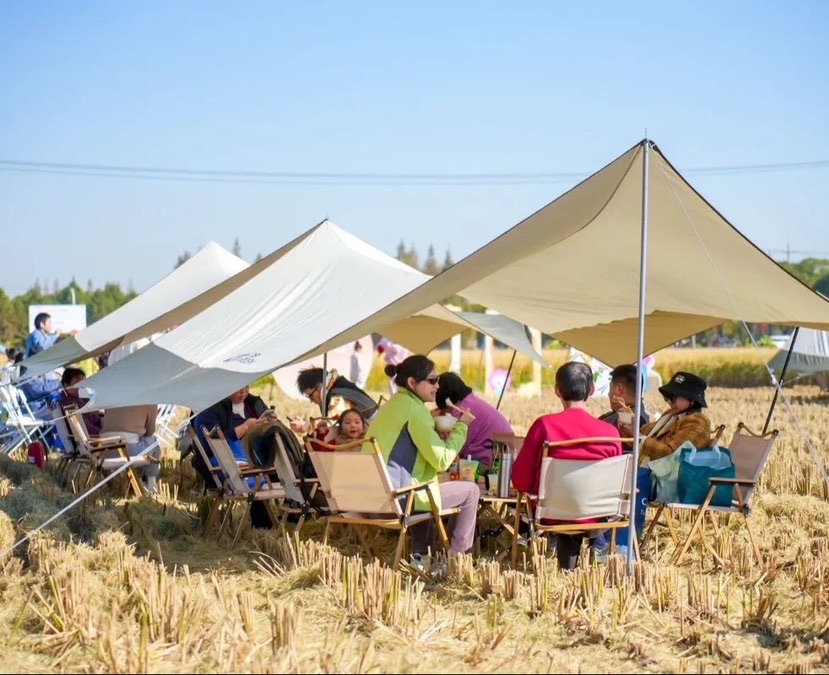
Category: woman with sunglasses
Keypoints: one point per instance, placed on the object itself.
(683, 421)
(415, 453)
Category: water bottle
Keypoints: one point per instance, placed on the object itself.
(504, 475)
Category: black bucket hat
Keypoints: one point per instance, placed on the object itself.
(687, 385)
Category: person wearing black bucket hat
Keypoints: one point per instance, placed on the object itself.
(682, 421)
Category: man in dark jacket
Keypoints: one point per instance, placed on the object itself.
(309, 383)
(622, 394)
(235, 415)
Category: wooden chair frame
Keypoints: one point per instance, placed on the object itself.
(396, 518)
(739, 504)
(235, 486)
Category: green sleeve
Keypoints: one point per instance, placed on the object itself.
(437, 452)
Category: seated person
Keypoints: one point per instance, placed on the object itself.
(622, 395)
(574, 385)
(38, 392)
(452, 389)
(235, 416)
(341, 394)
(683, 421)
(136, 426)
(414, 453)
(350, 427)
(70, 396)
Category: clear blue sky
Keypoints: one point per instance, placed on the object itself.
(428, 87)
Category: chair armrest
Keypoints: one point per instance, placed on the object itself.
(411, 488)
(252, 472)
(732, 481)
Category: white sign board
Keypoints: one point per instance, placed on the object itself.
(65, 318)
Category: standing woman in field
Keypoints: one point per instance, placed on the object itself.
(415, 453)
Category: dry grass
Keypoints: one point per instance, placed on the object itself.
(132, 587)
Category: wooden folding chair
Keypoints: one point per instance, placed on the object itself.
(293, 486)
(240, 484)
(573, 490)
(750, 452)
(92, 451)
(359, 490)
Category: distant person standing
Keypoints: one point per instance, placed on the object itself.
(42, 337)
(356, 372)
(394, 354)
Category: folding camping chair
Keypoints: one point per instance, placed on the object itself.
(572, 490)
(240, 484)
(293, 487)
(750, 453)
(21, 417)
(360, 494)
(91, 452)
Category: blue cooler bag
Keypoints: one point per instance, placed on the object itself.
(696, 467)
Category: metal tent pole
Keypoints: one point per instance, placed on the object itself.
(779, 381)
(506, 379)
(640, 348)
(324, 390)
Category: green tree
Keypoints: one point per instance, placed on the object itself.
(822, 285)
(447, 261)
(183, 258)
(430, 266)
(237, 248)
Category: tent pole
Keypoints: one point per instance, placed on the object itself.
(779, 381)
(640, 348)
(324, 389)
(506, 379)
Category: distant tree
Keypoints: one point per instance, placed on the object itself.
(55, 286)
(237, 248)
(412, 258)
(447, 261)
(183, 258)
(822, 285)
(401, 251)
(430, 266)
(89, 286)
(258, 257)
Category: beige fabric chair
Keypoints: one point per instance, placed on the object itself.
(236, 487)
(572, 490)
(93, 452)
(359, 490)
(750, 452)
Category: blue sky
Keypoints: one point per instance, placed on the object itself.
(380, 87)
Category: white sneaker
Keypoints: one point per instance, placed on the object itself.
(427, 565)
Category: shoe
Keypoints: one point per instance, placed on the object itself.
(600, 553)
(427, 565)
(149, 487)
(622, 552)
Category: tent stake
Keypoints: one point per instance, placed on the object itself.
(506, 379)
(779, 380)
(640, 348)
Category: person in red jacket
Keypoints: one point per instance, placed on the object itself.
(574, 385)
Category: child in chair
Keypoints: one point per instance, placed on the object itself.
(351, 427)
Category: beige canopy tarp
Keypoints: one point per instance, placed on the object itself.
(572, 269)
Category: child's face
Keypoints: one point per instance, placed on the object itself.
(352, 426)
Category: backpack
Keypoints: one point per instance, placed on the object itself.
(261, 445)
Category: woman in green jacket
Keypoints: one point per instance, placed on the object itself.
(414, 452)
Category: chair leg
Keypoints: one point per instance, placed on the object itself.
(672, 527)
(327, 531)
(242, 523)
(362, 536)
(652, 526)
(516, 529)
(211, 516)
(444, 539)
(743, 510)
(697, 523)
(398, 552)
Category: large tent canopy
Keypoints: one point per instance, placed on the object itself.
(319, 287)
(810, 353)
(572, 269)
(177, 297)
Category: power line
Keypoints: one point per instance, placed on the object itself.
(356, 178)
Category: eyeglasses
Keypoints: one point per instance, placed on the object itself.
(310, 394)
(431, 380)
(669, 398)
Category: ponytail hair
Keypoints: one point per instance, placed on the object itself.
(416, 366)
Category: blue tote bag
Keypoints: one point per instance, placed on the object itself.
(696, 467)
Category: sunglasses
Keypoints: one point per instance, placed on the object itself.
(669, 398)
(431, 380)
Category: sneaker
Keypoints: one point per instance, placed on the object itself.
(600, 552)
(622, 552)
(425, 564)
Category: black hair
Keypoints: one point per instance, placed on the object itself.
(357, 346)
(41, 318)
(310, 378)
(416, 366)
(451, 387)
(574, 381)
(70, 374)
(626, 375)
